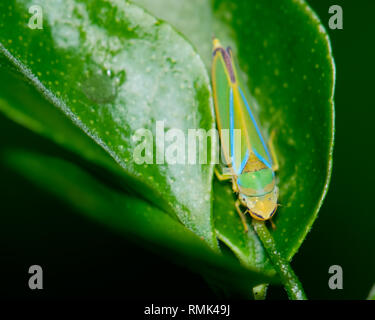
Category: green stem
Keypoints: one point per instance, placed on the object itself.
(289, 279)
(371, 295)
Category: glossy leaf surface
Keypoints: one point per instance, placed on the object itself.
(286, 60)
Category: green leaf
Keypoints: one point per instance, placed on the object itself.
(286, 59)
(97, 72)
(133, 218)
(111, 68)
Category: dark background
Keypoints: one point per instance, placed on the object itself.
(83, 259)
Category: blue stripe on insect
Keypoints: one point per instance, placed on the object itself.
(244, 161)
(262, 159)
(232, 129)
(258, 131)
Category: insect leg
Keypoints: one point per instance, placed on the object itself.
(235, 186)
(221, 176)
(272, 224)
(275, 165)
(242, 216)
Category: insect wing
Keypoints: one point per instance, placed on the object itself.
(254, 135)
(234, 137)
